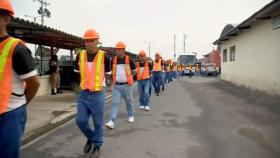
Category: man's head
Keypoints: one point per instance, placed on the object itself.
(120, 49)
(157, 56)
(142, 56)
(91, 38)
(6, 13)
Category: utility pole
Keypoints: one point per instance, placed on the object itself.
(184, 39)
(149, 45)
(174, 47)
(43, 11)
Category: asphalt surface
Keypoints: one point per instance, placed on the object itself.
(193, 118)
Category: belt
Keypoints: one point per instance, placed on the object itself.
(145, 79)
(121, 83)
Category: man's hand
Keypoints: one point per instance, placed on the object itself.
(32, 86)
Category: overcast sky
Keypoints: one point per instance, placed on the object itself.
(138, 21)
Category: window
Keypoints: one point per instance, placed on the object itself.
(225, 55)
(232, 53)
(275, 22)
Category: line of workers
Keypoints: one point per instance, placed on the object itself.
(19, 84)
(96, 69)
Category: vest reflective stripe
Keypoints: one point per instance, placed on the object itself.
(157, 65)
(6, 68)
(175, 68)
(145, 74)
(168, 68)
(92, 79)
(128, 72)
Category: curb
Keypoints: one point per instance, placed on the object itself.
(53, 124)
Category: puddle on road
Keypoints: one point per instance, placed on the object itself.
(174, 123)
(258, 137)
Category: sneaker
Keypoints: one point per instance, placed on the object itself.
(147, 108)
(157, 94)
(87, 146)
(110, 124)
(131, 119)
(95, 152)
(142, 107)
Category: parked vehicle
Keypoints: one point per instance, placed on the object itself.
(211, 69)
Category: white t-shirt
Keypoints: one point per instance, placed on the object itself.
(121, 74)
(18, 88)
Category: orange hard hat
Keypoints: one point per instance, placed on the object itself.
(142, 53)
(7, 5)
(91, 34)
(121, 45)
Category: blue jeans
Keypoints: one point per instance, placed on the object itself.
(143, 90)
(157, 80)
(162, 79)
(168, 77)
(12, 125)
(118, 92)
(91, 104)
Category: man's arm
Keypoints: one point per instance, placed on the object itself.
(32, 86)
(108, 68)
(76, 66)
(23, 65)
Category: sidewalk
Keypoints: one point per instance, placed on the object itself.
(47, 112)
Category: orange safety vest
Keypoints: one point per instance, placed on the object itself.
(157, 65)
(168, 68)
(6, 68)
(129, 75)
(175, 68)
(92, 79)
(145, 74)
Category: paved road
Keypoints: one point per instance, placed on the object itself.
(193, 118)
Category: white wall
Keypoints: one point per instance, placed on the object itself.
(45, 87)
(257, 58)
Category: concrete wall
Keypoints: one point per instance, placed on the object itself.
(45, 87)
(257, 58)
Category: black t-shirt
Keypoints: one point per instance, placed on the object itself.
(22, 59)
(90, 58)
(143, 64)
(122, 61)
(53, 64)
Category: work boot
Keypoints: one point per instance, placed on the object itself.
(87, 146)
(59, 91)
(95, 152)
(53, 92)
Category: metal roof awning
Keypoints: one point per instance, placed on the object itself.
(42, 35)
(38, 34)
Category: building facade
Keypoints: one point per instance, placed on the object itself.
(250, 52)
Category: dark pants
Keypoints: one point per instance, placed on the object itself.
(157, 79)
(12, 126)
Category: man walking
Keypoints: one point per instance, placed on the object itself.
(143, 68)
(157, 73)
(122, 75)
(18, 85)
(92, 64)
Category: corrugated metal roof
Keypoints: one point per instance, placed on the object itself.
(43, 35)
(263, 13)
